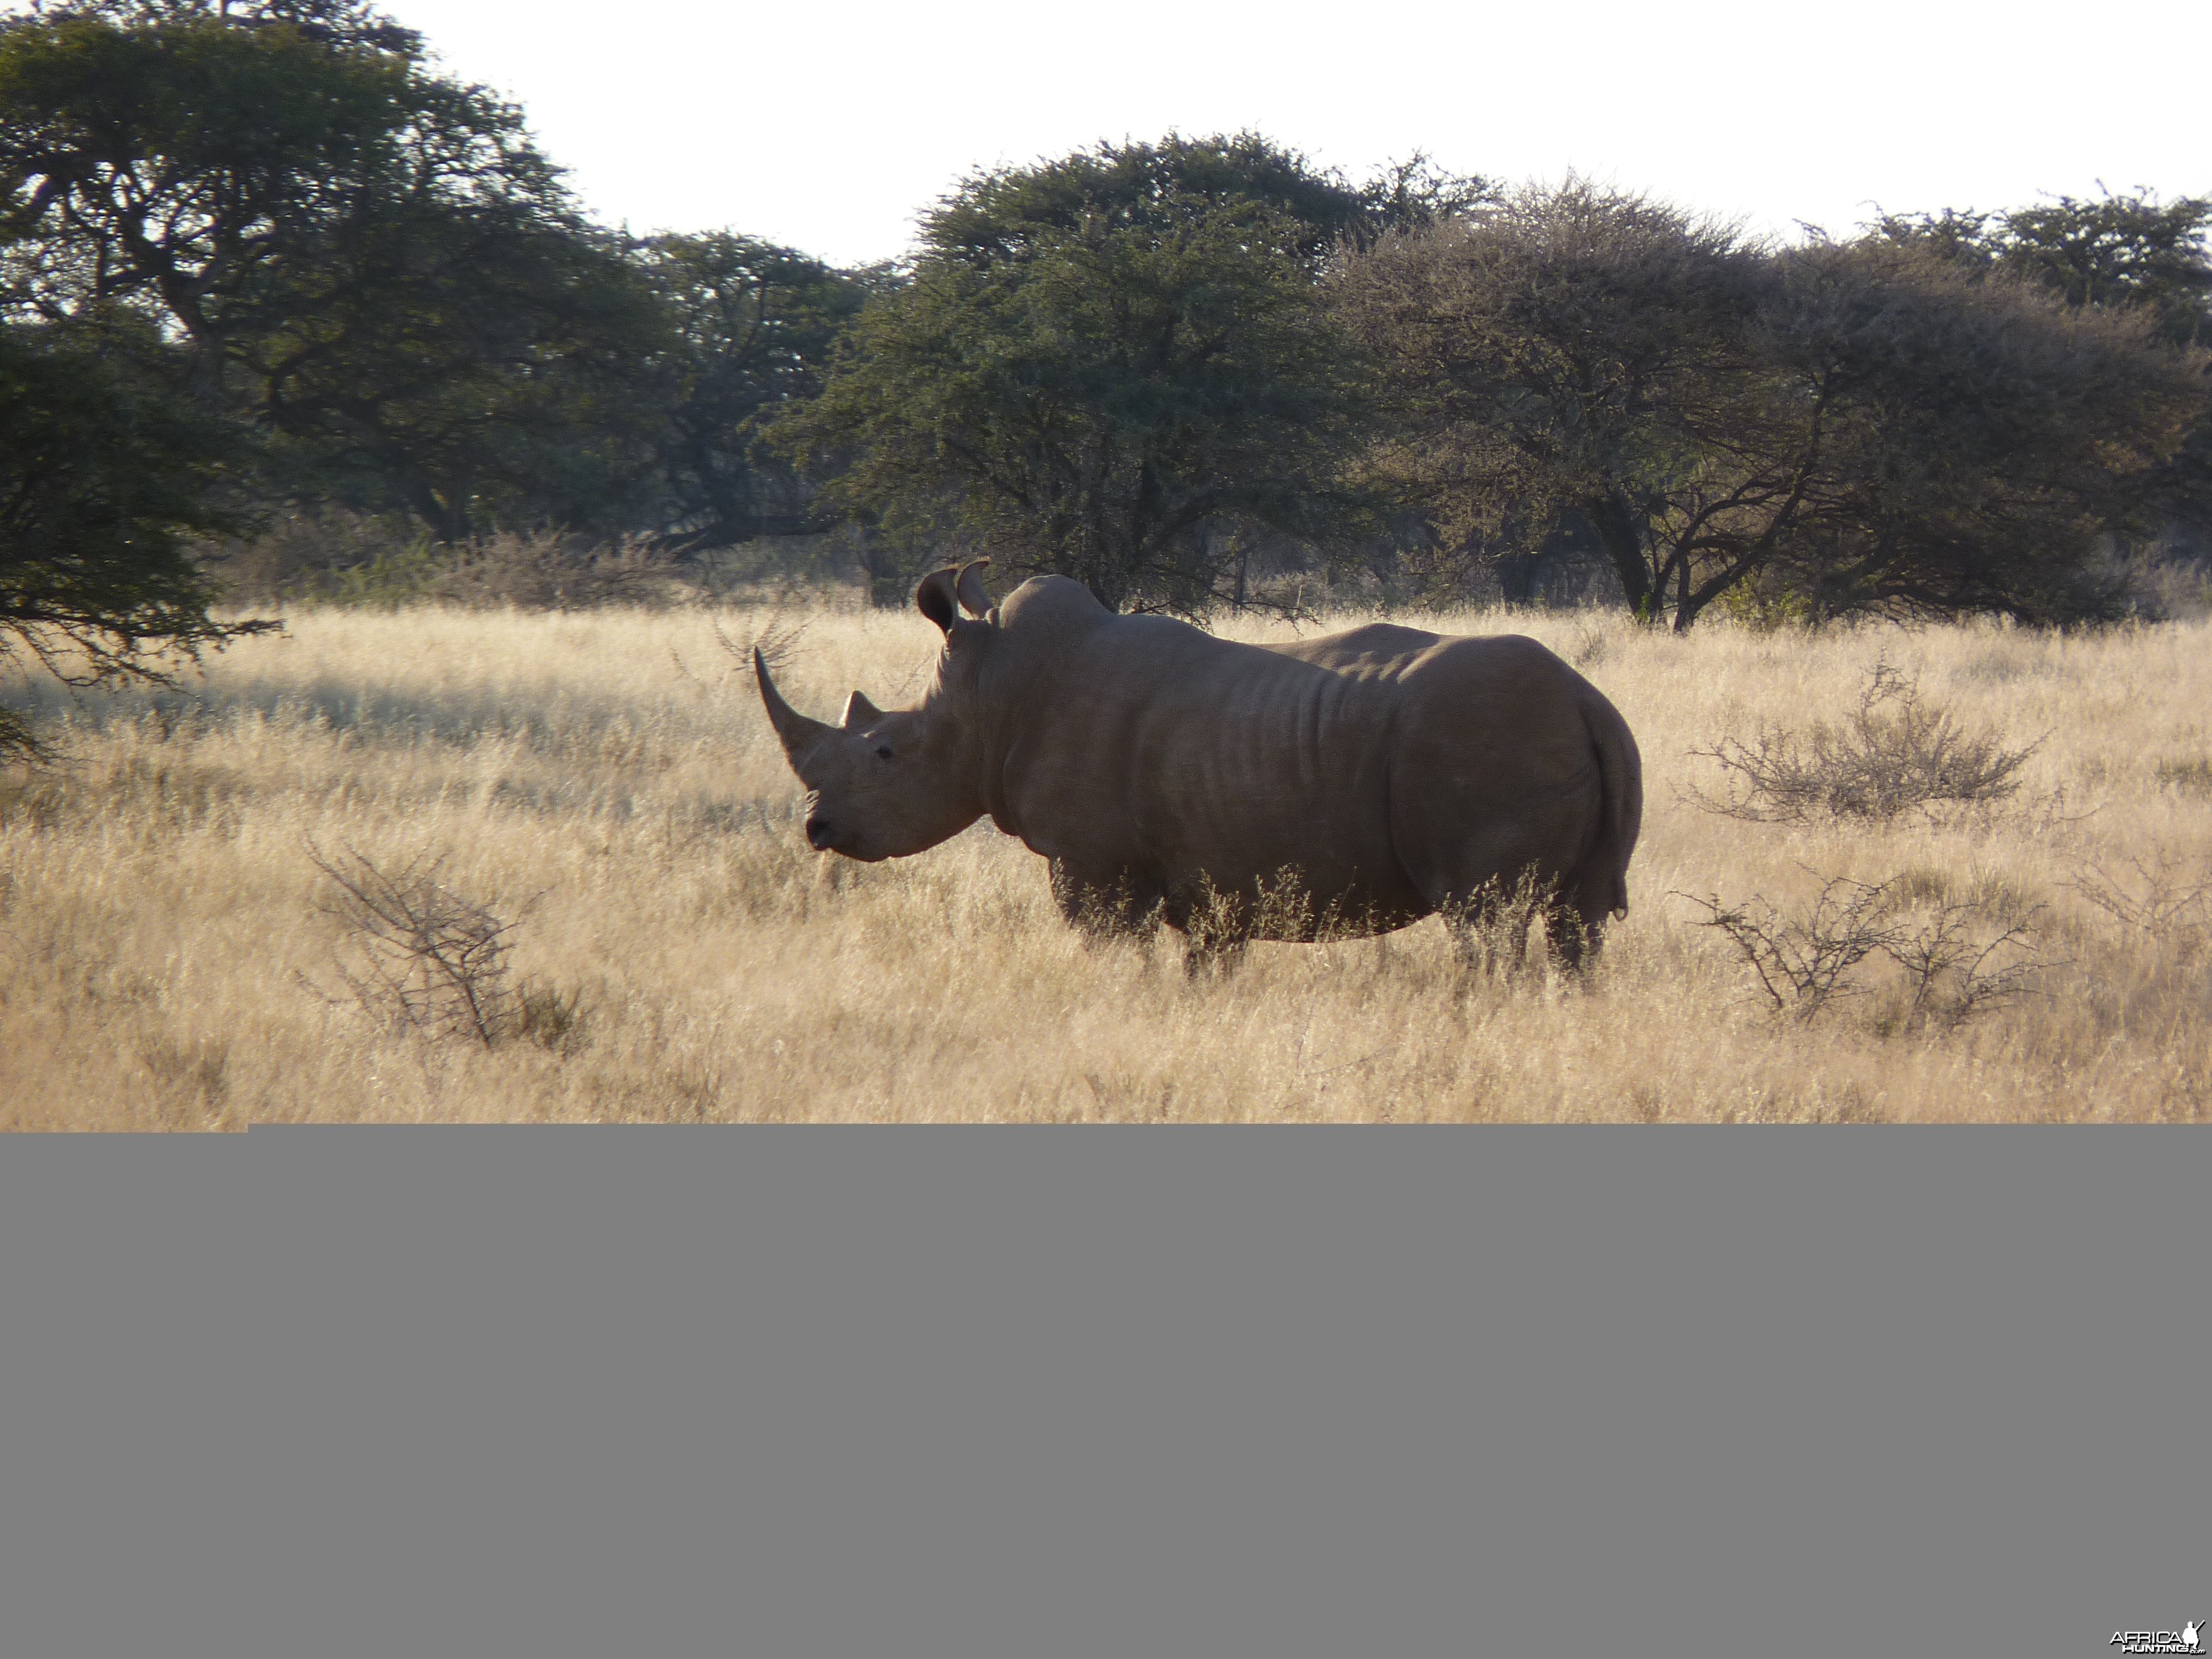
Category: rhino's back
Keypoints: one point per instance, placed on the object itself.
(1376, 650)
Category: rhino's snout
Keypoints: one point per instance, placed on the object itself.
(819, 836)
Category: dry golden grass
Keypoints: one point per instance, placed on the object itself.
(162, 927)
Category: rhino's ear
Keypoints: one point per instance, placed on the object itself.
(858, 711)
(934, 598)
(973, 600)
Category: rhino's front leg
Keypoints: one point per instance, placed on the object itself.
(1106, 904)
(1216, 926)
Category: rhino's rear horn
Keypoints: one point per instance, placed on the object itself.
(792, 729)
(858, 711)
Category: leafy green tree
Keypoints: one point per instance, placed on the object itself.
(1098, 370)
(369, 262)
(2129, 252)
(1983, 444)
(995, 215)
(339, 22)
(163, 165)
(105, 476)
(1845, 429)
(478, 364)
(755, 327)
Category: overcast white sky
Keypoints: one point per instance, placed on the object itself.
(828, 127)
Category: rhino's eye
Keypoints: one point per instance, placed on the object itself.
(882, 751)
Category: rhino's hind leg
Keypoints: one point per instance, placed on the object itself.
(1574, 938)
(1574, 919)
(1492, 925)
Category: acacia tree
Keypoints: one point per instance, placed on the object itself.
(1570, 354)
(755, 327)
(158, 163)
(994, 216)
(475, 362)
(2130, 252)
(1109, 367)
(1849, 427)
(1984, 443)
(104, 474)
(365, 259)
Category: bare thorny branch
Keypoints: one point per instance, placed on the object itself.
(2165, 899)
(424, 958)
(1959, 957)
(1801, 962)
(1963, 960)
(775, 642)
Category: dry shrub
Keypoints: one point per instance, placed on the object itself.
(1896, 753)
(2189, 777)
(551, 571)
(421, 959)
(1957, 957)
(306, 554)
(349, 558)
(775, 639)
(553, 1020)
(1964, 959)
(1801, 962)
(2172, 585)
(2165, 898)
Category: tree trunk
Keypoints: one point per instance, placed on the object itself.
(1616, 532)
(447, 519)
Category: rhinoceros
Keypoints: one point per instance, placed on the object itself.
(1382, 774)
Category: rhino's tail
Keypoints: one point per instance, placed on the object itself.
(1620, 810)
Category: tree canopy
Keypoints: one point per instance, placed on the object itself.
(370, 263)
(106, 474)
(1852, 427)
(1096, 370)
(2124, 253)
(756, 326)
(996, 215)
(2127, 251)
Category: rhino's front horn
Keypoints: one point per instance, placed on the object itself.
(793, 729)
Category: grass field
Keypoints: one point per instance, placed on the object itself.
(606, 782)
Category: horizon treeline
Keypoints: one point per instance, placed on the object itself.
(260, 262)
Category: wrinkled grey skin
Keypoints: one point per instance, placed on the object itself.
(1170, 775)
